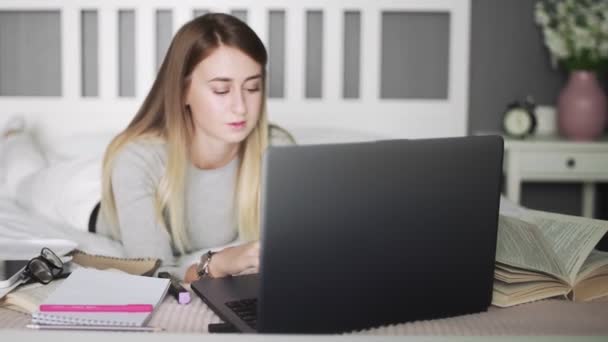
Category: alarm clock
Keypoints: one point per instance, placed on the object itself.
(519, 120)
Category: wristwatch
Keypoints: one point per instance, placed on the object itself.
(202, 269)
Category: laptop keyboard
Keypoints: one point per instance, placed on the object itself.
(246, 309)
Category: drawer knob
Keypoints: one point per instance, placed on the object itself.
(571, 162)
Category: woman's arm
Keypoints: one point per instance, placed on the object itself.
(135, 176)
(244, 258)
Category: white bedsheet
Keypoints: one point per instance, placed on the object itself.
(52, 204)
(23, 233)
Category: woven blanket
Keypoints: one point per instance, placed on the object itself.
(548, 317)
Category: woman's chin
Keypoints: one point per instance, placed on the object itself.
(236, 136)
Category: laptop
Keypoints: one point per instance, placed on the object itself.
(360, 235)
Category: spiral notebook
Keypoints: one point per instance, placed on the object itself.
(87, 286)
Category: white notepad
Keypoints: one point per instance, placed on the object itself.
(87, 286)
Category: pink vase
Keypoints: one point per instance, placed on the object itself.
(582, 107)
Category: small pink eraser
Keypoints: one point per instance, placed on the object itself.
(184, 298)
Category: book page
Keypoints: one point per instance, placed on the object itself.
(505, 295)
(513, 275)
(596, 260)
(592, 281)
(522, 245)
(572, 238)
(28, 297)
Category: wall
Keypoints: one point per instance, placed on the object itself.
(508, 62)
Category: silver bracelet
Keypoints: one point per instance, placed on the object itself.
(202, 269)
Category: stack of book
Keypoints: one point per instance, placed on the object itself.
(114, 295)
(542, 255)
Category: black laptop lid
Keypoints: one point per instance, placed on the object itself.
(361, 235)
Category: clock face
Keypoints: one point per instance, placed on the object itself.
(518, 122)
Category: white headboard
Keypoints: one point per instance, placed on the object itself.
(57, 117)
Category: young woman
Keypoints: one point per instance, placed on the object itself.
(184, 177)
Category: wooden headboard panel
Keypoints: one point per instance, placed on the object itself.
(56, 117)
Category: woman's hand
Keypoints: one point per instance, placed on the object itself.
(230, 261)
(235, 260)
(190, 275)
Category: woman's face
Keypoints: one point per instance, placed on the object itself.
(225, 96)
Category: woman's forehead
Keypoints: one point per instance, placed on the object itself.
(227, 63)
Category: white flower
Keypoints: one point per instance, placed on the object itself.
(604, 28)
(592, 20)
(542, 18)
(563, 30)
(582, 39)
(556, 44)
(561, 10)
(603, 49)
(575, 31)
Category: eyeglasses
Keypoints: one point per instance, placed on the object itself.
(44, 268)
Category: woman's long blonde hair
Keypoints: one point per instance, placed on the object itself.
(163, 116)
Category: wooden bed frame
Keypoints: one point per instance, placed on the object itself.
(55, 118)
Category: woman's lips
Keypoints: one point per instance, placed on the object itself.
(237, 125)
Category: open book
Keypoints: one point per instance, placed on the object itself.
(541, 255)
(27, 298)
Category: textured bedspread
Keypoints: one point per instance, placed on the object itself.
(549, 317)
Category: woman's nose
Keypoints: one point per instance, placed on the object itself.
(238, 103)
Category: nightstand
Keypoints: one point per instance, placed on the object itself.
(553, 159)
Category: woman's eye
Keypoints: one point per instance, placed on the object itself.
(220, 92)
(253, 90)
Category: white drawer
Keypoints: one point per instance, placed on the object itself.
(564, 162)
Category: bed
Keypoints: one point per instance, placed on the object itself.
(325, 85)
(344, 102)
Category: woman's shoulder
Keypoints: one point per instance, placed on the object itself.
(279, 136)
(143, 152)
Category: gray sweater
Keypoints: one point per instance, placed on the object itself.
(209, 205)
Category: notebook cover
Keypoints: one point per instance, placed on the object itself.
(136, 266)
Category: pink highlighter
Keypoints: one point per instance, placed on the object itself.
(96, 308)
(175, 288)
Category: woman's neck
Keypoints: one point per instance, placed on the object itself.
(211, 154)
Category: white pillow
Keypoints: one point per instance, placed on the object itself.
(306, 135)
(79, 146)
(65, 191)
(23, 232)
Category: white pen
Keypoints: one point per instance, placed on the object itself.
(92, 327)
